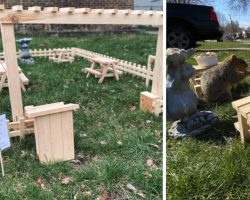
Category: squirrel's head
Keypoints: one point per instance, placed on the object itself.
(239, 65)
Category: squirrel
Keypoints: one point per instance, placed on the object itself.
(216, 82)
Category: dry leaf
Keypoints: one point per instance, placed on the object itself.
(147, 174)
(40, 183)
(148, 122)
(119, 142)
(105, 196)
(150, 162)
(132, 108)
(158, 133)
(75, 196)
(87, 193)
(66, 180)
(103, 143)
(154, 145)
(141, 195)
(131, 187)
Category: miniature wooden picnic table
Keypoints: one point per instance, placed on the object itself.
(106, 64)
(3, 77)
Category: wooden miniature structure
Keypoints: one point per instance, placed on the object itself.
(53, 127)
(53, 15)
(61, 55)
(151, 103)
(107, 65)
(242, 106)
(4, 81)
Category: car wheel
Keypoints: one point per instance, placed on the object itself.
(180, 38)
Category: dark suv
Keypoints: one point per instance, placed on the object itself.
(187, 23)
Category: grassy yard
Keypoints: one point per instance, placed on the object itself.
(113, 138)
(215, 165)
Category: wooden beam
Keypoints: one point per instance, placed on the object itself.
(157, 86)
(2, 7)
(9, 46)
(17, 8)
(97, 16)
(35, 9)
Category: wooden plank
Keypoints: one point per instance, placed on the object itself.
(98, 16)
(68, 10)
(2, 7)
(83, 10)
(241, 102)
(35, 9)
(51, 9)
(43, 135)
(68, 135)
(51, 110)
(17, 8)
(56, 139)
(157, 85)
(9, 46)
(93, 71)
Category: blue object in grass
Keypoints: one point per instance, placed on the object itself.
(25, 54)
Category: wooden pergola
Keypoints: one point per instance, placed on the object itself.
(54, 15)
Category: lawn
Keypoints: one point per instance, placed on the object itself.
(215, 165)
(113, 138)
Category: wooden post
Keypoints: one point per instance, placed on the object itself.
(9, 46)
(157, 85)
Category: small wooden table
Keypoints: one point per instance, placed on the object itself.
(106, 65)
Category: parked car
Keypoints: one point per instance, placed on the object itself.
(188, 23)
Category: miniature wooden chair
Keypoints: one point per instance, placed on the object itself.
(242, 106)
(106, 66)
(53, 127)
(3, 77)
(61, 55)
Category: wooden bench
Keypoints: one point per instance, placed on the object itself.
(107, 65)
(242, 106)
(3, 77)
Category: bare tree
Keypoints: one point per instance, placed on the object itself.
(239, 4)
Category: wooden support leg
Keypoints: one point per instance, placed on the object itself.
(2, 81)
(92, 67)
(9, 46)
(22, 127)
(157, 85)
(104, 72)
(244, 135)
(115, 72)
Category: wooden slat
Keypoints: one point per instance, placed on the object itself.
(241, 102)
(157, 85)
(93, 71)
(45, 17)
(51, 110)
(2, 7)
(67, 135)
(35, 9)
(83, 10)
(17, 8)
(51, 9)
(43, 135)
(68, 10)
(56, 139)
(9, 46)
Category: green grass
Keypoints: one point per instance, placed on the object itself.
(106, 114)
(215, 165)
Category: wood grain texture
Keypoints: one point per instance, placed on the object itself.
(9, 46)
(81, 16)
(157, 85)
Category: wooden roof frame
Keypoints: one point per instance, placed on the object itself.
(55, 15)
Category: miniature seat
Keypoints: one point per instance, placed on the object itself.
(242, 106)
(3, 77)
